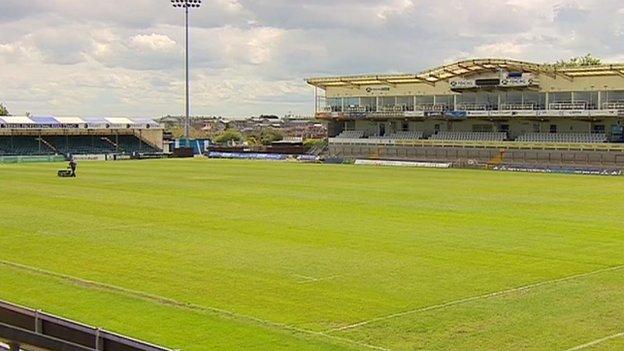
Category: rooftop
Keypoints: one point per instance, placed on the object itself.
(468, 67)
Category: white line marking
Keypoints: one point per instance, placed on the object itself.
(596, 342)
(308, 279)
(474, 298)
(189, 306)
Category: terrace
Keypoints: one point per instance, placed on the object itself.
(480, 101)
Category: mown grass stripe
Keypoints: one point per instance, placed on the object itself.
(90, 284)
(478, 297)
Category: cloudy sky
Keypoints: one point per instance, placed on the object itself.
(125, 58)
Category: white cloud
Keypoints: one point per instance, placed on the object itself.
(154, 42)
(250, 56)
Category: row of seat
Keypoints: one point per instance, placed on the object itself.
(49, 145)
(23, 146)
(403, 135)
(355, 137)
(473, 136)
(564, 137)
(351, 134)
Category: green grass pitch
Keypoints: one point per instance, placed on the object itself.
(230, 255)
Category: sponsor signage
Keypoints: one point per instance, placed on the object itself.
(563, 113)
(463, 84)
(506, 80)
(604, 113)
(433, 113)
(120, 157)
(248, 156)
(456, 114)
(459, 114)
(377, 89)
(402, 164)
(382, 114)
(89, 157)
(526, 80)
(502, 113)
(582, 171)
(478, 113)
(414, 114)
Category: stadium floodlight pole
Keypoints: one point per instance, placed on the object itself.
(186, 4)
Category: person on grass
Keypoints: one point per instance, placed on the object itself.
(73, 165)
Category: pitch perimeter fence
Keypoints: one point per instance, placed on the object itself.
(25, 328)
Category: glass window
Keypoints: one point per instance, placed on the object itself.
(589, 99)
(613, 96)
(370, 103)
(535, 99)
(467, 98)
(424, 103)
(352, 101)
(487, 100)
(407, 102)
(444, 100)
(426, 99)
(511, 97)
(613, 99)
(387, 101)
(560, 97)
(335, 104)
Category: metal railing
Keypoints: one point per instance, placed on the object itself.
(470, 106)
(613, 105)
(36, 329)
(431, 107)
(518, 106)
(568, 105)
(483, 144)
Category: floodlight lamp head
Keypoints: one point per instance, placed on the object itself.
(186, 3)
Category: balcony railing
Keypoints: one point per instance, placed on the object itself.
(468, 106)
(518, 106)
(431, 107)
(613, 105)
(568, 105)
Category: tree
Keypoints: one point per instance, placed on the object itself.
(270, 135)
(3, 110)
(581, 61)
(252, 140)
(230, 135)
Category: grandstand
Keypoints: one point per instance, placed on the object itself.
(29, 136)
(488, 104)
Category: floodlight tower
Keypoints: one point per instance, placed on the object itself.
(186, 4)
